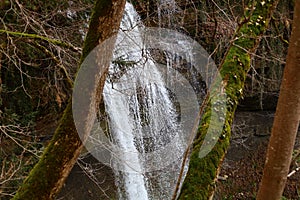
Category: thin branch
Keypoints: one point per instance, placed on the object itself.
(34, 36)
(293, 172)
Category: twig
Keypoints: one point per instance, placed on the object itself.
(35, 36)
(293, 172)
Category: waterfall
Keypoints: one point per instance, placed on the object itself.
(143, 118)
(157, 79)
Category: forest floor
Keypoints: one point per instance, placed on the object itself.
(243, 165)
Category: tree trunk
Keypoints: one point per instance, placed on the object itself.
(286, 121)
(201, 176)
(49, 174)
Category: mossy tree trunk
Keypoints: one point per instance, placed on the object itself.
(202, 173)
(286, 121)
(49, 174)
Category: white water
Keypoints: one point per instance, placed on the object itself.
(142, 117)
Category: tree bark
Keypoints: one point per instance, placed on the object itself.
(49, 174)
(201, 176)
(286, 121)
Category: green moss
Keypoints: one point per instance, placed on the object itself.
(47, 177)
(58, 153)
(35, 36)
(200, 180)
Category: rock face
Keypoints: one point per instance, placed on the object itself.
(212, 25)
(248, 124)
(89, 179)
(259, 101)
(249, 130)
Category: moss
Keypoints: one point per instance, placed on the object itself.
(47, 177)
(200, 179)
(34, 36)
(57, 155)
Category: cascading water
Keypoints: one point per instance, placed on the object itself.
(143, 118)
(156, 82)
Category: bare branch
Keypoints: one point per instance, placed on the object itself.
(34, 36)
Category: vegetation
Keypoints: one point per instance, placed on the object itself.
(49, 174)
(41, 49)
(200, 179)
(286, 122)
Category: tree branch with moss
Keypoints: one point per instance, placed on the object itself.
(39, 37)
(202, 173)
